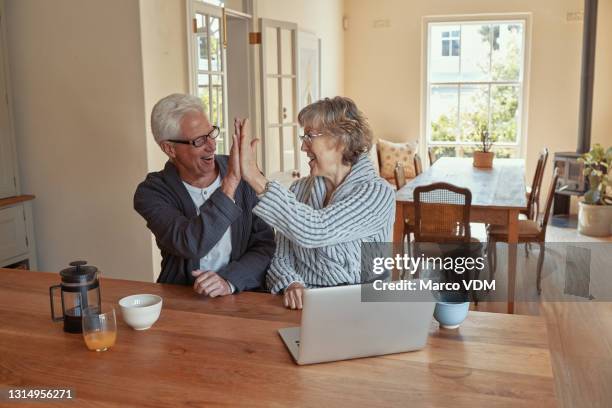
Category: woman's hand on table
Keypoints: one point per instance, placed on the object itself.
(292, 297)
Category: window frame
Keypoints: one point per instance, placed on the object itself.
(522, 134)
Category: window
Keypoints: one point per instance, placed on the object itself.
(450, 43)
(474, 85)
(208, 66)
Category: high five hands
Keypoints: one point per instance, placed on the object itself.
(243, 151)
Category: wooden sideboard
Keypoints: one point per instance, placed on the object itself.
(17, 244)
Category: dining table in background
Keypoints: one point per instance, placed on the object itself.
(498, 196)
(226, 351)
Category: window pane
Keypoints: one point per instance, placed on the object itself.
(221, 143)
(444, 151)
(466, 151)
(474, 111)
(504, 112)
(215, 44)
(456, 48)
(505, 152)
(272, 50)
(200, 23)
(445, 48)
(442, 67)
(203, 52)
(216, 115)
(286, 52)
(507, 51)
(273, 148)
(475, 55)
(272, 99)
(203, 92)
(288, 148)
(287, 108)
(443, 113)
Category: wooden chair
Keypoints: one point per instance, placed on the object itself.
(432, 155)
(442, 215)
(533, 192)
(400, 175)
(530, 231)
(400, 181)
(418, 164)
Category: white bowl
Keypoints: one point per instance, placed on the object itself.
(140, 311)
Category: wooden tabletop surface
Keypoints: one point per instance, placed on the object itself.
(226, 351)
(502, 186)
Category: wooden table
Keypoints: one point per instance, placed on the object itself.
(226, 351)
(498, 196)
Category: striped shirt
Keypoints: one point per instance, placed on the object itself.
(319, 245)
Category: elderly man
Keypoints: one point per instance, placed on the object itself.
(198, 208)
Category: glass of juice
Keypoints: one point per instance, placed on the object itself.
(99, 328)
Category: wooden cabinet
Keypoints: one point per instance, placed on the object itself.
(16, 229)
(13, 237)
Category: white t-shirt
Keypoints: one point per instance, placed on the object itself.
(219, 255)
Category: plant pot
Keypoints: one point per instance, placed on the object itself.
(594, 220)
(483, 160)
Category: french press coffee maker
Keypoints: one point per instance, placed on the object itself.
(80, 288)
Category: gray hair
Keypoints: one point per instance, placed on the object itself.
(339, 117)
(168, 112)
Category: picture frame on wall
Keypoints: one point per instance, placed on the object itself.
(309, 68)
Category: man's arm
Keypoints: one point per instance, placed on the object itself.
(179, 235)
(249, 271)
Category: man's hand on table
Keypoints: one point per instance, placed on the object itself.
(210, 284)
(293, 296)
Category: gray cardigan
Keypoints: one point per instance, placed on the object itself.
(184, 237)
(320, 245)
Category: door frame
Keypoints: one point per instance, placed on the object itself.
(263, 23)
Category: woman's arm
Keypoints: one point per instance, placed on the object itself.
(282, 271)
(354, 217)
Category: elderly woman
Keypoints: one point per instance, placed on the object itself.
(322, 219)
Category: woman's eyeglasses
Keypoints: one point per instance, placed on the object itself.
(308, 136)
(200, 140)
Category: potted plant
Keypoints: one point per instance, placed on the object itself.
(595, 211)
(483, 158)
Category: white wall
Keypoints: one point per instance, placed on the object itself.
(383, 67)
(77, 82)
(165, 71)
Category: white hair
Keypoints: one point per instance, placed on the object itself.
(168, 112)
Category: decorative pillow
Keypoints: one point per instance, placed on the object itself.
(390, 153)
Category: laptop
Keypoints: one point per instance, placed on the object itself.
(337, 325)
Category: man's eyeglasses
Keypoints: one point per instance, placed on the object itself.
(308, 136)
(200, 140)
